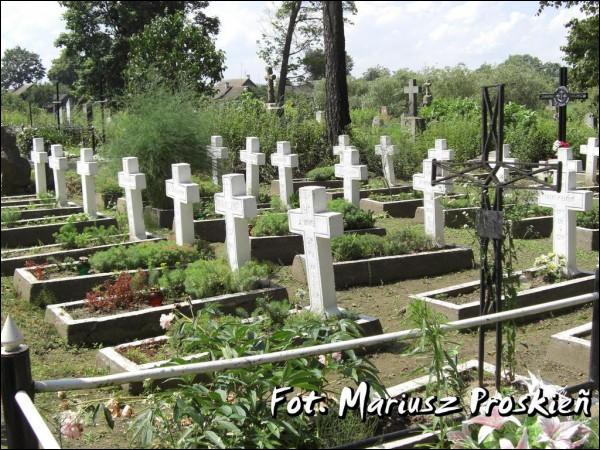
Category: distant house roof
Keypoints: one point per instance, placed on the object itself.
(22, 89)
(232, 88)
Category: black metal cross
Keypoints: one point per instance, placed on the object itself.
(483, 174)
(560, 97)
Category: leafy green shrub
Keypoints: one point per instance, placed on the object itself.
(588, 219)
(161, 128)
(321, 173)
(206, 185)
(354, 217)
(407, 240)
(70, 237)
(50, 134)
(208, 278)
(271, 224)
(520, 211)
(147, 255)
(10, 216)
(251, 275)
(277, 204)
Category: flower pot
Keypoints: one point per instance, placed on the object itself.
(155, 298)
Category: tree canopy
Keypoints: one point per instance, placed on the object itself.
(20, 66)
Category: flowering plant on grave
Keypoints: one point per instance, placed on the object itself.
(550, 267)
(509, 432)
(559, 144)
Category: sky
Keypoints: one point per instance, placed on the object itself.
(396, 35)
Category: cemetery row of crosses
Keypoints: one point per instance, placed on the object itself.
(251, 277)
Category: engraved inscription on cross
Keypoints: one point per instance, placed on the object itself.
(565, 205)
(386, 150)
(285, 160)
(133, 182)
(237, 209)
(253, 159)
(87, 168)
(184, 194)
(217, 154)
(317, 226)
(591, 160)
(412, 90)
(39, 158)
(352, 173)
(59, 164)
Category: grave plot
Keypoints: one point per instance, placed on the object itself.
(27, 233)
(539, 285)
(38, 210)
(131, 306)
(319, 176)
(587, 229)
(402, 204)
(572, 347)
(271, 239)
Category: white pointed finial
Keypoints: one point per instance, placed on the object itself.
(11, 338)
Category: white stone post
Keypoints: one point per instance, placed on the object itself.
(386, 150)
(565, 205)
(591, 160)
(87, 168)
(317, 226)
(39, 158)
(59, 164)
(352, 173)
(217, 153)
(237, 209)
(285, 160)
(133, 182)
(184, 194)
(253, 159)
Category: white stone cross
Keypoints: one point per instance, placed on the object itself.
(591, 160)
(184, 194)
(59, 164)
(503, 173)
(253, 159)
(565, 205)
(352, 173)
(432, 206)
(217, 154)
(87, 168)
(237, 209)
(285, 160)
(39, 158)
(343, 144)
(386, 150)
(133, 182)
(317, 226)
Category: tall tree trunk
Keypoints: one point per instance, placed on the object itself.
(337, 110)
(294, 9)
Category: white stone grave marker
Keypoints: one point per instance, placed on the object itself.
(87, 168)
(184, 194)
(317, 226)
(386, 150)
(352, 173)
(59, 164)
(503, 173)
(343, 144)
(237, 209)
(217, 153)
(39, 158)
(565, 205)
(133, 182)
(285, 160)
(253, 159)
(591, 160)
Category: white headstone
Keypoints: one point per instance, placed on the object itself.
(133, 182)
(253, 159)
(503, 173)
(317, 226)
(352, 173)
(285, 160)
(386, 150)
(59, 164)
(591, 160)
(87, 168)
(39, 158)
(565, 205)
(237, 209)
(319, 116)
(68, 110)
(217, 153)
(343, 144)
(184, 194)
(432, 206)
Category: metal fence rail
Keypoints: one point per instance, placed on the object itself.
(43, 434)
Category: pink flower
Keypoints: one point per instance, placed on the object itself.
(165, 320)
(490, 423)
(559, 434)
(336, 356)
(460, 438)
(523, 442)
(70, 425)
(559, 144)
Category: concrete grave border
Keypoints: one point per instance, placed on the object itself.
(570, 348)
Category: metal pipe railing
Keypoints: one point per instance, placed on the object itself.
(66, 384)
(43, 434)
